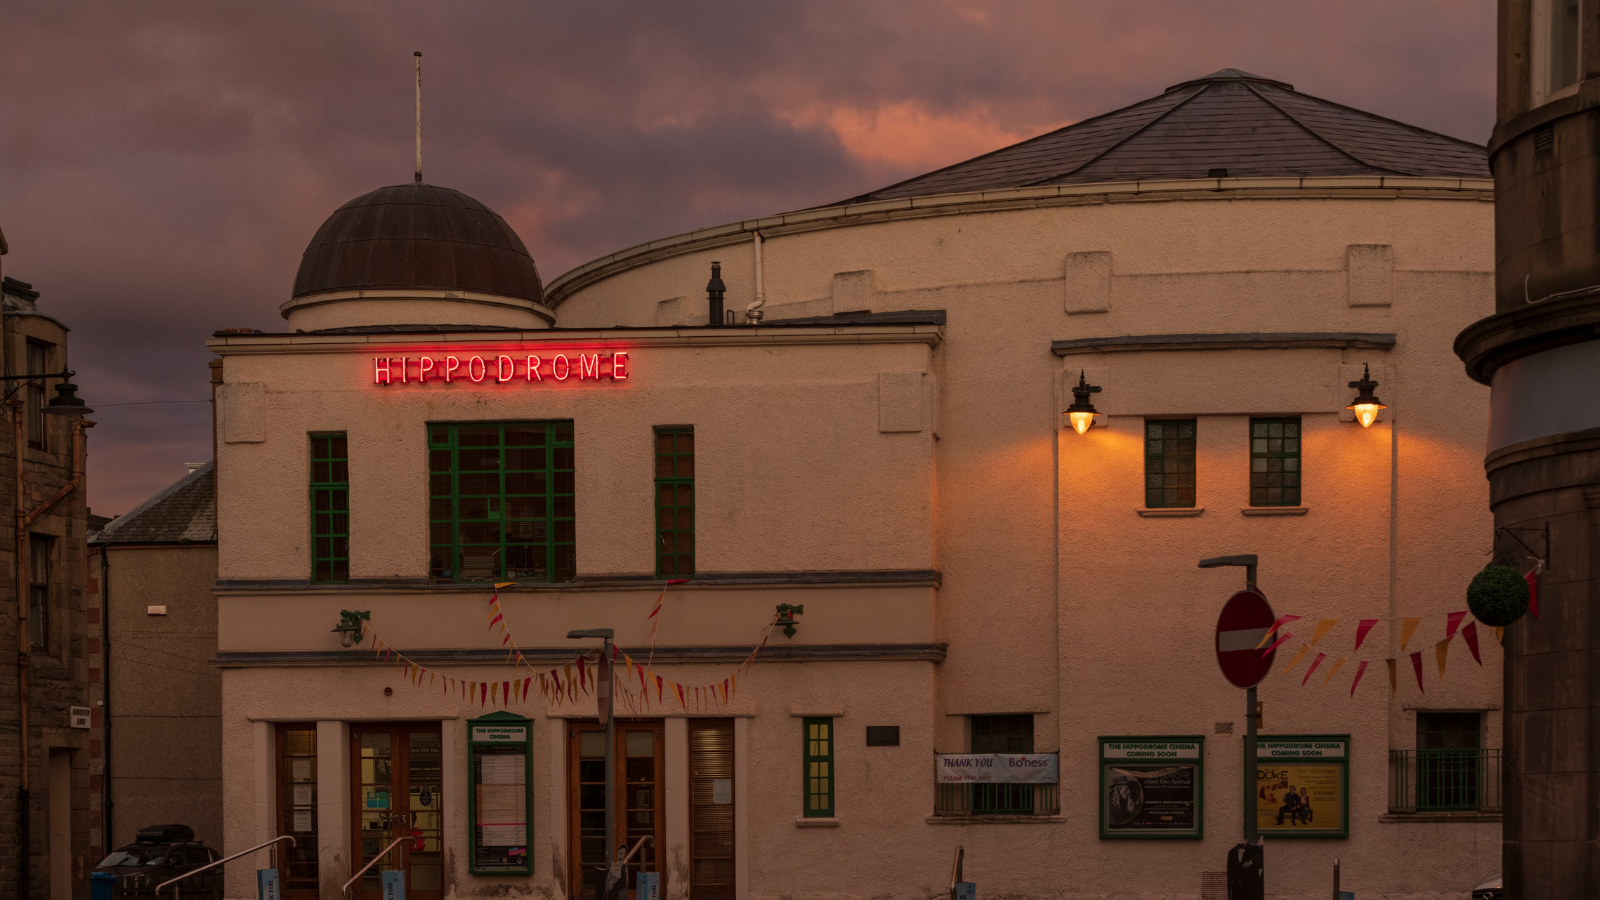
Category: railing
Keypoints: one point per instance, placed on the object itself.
(374, 861)
(1444, 781)
(219, 863)
(997, 799)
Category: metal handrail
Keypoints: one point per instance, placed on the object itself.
(614, 872)
(212, 865)
(374, 860)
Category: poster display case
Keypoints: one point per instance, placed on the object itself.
(1152, 787)
(1303, 786)
(500, 794)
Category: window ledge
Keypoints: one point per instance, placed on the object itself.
(1416, 817)
(816, 822)
(1274, 510)
(1178, 513)
(996, 820)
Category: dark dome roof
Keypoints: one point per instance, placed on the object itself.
(1233, 121)
(417, 237)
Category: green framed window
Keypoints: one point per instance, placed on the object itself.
(819, 767)
(675, 501)
(1449, 766)
(1169, 463)
(330, 508)
(501, 502)
(1002, 734)
(1275, 462)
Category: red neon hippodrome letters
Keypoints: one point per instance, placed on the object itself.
(501, 368)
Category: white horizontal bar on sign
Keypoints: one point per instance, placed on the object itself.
(1248, 639)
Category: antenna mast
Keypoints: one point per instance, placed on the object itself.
(419, 116)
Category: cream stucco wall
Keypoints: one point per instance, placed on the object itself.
(1053, 595)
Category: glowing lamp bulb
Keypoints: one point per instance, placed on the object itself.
(1366, 413)
(1081, 421)
(1081, 413)
(1366, 404)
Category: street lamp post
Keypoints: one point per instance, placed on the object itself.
(604, 682)
(1248, 560)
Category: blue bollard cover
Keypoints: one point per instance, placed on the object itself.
(648, 886)
(394, 886)
(267, 885)
(966, 890)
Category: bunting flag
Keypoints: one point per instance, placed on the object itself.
(1286, 636)
(1323, 627)
(1394, 680)
(1282, 621)
(1452, 621)
(1407, 626)
(681, 702)
(1337, 664)
(583, 680)
(1470, 635)
(1441, 651)
(1360, 671)
(1416, 664)
(1314, 663)
(1500, 635)
(1533, 588)
(1299, 655)
(1362, 627)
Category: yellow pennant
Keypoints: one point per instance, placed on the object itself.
(1335, 668)
(1407, 626)
(501, 584)
(1299, 655)
(1323, 627)
(494, 691)
(1441, 650)
(1394, 682)
(1499, 634)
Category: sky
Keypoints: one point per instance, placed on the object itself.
(163, 164)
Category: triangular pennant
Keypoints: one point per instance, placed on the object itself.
(505, 692)
(1500, 634)
(1533, 590)
(1394, 680)
(681, 700)
(1452, 621)
(501, 584)
(1362, 627)
(660, 682)
(1314, 663)
(1337, 664)
(1284, 637)
(1282, 621)
(1470, 635)
(494, 691)
(733, 684)
(1407, 626)
(1299, 655)
(1441, 651)
(583, 675)
(1323, 627)
(1360, 671)
(1416, 665)
(726, 687)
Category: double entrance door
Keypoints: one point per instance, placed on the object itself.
(395, 778)
(638, 758)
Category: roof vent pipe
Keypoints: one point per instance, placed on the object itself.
(714, 291)
(752, 313)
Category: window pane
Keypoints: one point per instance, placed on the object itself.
(330, 502)
(1169, 463)
(674, 492)
(491, 526)
(1275, 462)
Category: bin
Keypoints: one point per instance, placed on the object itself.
(102, 885)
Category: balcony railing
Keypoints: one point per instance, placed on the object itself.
(1444, 781)
(999, 799)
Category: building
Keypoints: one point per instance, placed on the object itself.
(156, 568)
(882, 459)
(1540, 354)
(50, 662)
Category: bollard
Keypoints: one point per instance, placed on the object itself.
(648, 886)
(394, 885)
(267, 885)
(966, 890)
(1247, 872)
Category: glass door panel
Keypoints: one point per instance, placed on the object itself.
(398, 793)
(638, 760)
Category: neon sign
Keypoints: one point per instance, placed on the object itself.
(501, 368)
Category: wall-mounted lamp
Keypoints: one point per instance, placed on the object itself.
(1366, 404)
(786, 614)
(350, 627)
(1081, 413)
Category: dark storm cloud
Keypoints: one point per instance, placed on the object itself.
(162, 164)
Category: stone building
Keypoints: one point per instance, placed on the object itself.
(53, 660)
(156, 567)
(442, 466)
(1540, 353)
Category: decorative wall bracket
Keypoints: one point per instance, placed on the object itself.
(1542, 556)
(786, 614)
(350, 627)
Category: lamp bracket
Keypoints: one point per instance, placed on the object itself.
(1510, 531)
(786, 613)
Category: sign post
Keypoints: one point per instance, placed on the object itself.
(1244, 621)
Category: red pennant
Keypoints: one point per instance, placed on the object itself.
(1416, 663)
(1362, 627)
(682, 701)
(1470, 635)
(1452, 621)
(1286, 635)
(659, 685)
(483, 693)
(497, 617)
(725, 690)
(505, 693)
(1360, 671)
(1314, 663)
(1533, 591)
(582, 677)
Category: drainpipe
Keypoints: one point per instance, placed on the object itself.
(752, 313)
(24, 644)
(105, 693)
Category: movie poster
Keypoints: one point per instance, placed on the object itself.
(1300, 787)
(1151, 787)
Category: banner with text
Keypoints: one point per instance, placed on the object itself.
(998, 768)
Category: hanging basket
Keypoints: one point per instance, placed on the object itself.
(1497, 596)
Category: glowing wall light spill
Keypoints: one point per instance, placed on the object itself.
(1081, 413)
(1366, 404)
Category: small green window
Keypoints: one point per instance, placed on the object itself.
(1275, 462)
(501, 502)
(675, 501)
(330, 509)
(1169, 463)
(819, 768)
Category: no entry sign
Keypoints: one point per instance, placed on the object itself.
(1244, 622)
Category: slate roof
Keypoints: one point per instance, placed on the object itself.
(184, 513)
(1249, 125)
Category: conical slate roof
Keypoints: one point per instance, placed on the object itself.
(1245, 124)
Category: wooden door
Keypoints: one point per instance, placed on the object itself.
(711, 839)
(640, 810)
(397, 792)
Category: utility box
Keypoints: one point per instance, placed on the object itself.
(1246, 872)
